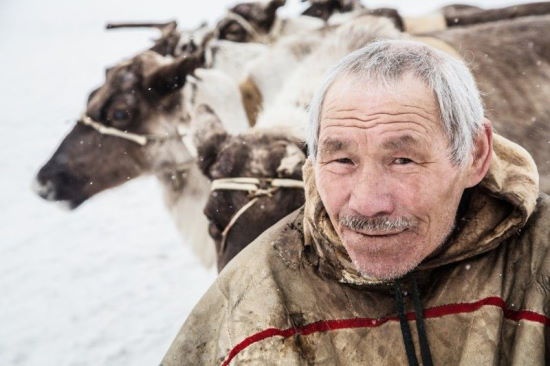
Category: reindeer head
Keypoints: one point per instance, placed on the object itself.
(141, 97)
(246, 22)
(262, 155)
(323, 9)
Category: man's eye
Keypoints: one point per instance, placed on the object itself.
(343, 161)
(402, 161)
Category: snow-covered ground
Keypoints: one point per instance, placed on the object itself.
(109, 283)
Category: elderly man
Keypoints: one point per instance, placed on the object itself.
(422, 239)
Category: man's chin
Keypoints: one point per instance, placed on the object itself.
(380, 267)
(384, 275)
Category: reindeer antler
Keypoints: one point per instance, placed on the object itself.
(169, 36)
(165, 28)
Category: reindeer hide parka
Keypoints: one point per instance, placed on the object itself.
(292, 297)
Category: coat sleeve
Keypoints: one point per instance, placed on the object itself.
(203, 338)
(247, 298)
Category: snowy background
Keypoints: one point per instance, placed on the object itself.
(109, 283)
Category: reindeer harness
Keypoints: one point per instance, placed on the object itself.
(256, 188)
(144, 139)
(140, 139)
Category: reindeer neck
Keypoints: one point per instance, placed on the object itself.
(185, 195)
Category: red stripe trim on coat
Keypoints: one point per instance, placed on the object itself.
(434, 312)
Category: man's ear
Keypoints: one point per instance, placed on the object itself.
(482, 153)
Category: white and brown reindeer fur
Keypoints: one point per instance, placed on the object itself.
(258, 22)
(258, 154)
(287, 108)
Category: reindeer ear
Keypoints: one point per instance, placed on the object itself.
(208, 135)
(262, 15)
(390, 13)
(291, 163)
(275, 4)
(171, 77)
(270, 13)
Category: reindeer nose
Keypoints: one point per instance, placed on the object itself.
(49, 181)
(44, 189)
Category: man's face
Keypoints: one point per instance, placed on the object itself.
(384, 174)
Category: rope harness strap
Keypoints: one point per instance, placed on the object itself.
(140, 139)
(256, 188)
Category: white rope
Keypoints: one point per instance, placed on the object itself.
(287, 183)
(233, 220)
(111, 131)
(251, 185)
(134, 137)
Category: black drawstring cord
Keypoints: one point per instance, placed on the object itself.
(422, 338)
(405, 330)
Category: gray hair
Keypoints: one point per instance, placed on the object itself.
(456, 93)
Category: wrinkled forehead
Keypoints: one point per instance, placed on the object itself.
(397, 84)
(406, 107)
(352, 91)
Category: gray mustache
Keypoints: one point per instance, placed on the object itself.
(378, 224)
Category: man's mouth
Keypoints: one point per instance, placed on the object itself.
(376, 227)
(380, 233)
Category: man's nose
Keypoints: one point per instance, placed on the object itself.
(371, 194)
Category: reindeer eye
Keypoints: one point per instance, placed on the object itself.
(121, 114)
(234, 32)
(119, 117)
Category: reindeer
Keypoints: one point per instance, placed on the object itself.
(324, 9)
(258, 22)
(249, 22)
(256, 180)
(136, 123)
